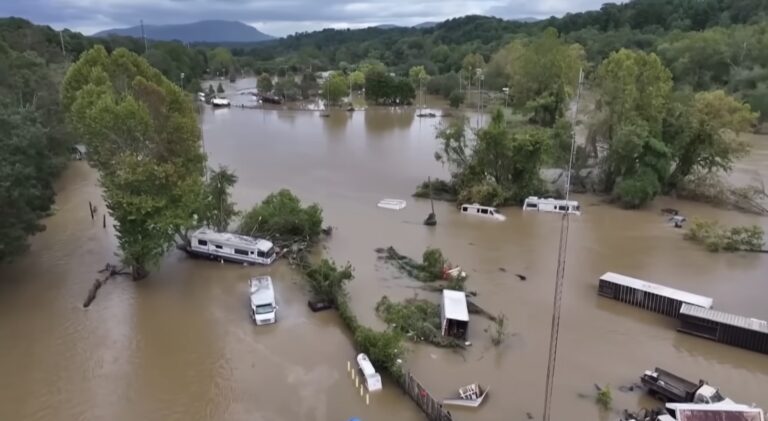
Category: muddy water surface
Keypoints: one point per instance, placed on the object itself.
(180, 345)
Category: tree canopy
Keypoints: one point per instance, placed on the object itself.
(143, 138)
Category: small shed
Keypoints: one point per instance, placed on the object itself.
(454, 314)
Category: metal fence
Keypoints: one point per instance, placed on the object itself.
(424, 399)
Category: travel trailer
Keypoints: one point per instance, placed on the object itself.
(534, 203)
(232, 247)
(263, 305)
(484, 211)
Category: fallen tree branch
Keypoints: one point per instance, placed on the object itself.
(111, 271)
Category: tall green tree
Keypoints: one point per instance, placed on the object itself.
(357, 78)
(143, 138)
(335, 88)
(26, 172)
(418, 77)
(634, 90)
(704, 133)
(543, 75)
(217, 209)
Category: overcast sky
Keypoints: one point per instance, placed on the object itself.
(276, 17)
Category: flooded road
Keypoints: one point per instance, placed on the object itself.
(180, 345)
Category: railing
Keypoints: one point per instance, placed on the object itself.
(431, 407)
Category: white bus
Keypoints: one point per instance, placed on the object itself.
(551, 205)
(232, 247)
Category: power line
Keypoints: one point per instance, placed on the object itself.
(560, 275)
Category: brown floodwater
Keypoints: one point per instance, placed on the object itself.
(180, 345)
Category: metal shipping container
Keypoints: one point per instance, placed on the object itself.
(727, 328)
(647, 295)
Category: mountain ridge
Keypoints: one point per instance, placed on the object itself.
(200, 31)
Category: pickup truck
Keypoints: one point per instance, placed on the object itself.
(668, 387)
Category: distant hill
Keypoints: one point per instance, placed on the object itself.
(526, 19)
(424, 25)
(386, 26)
(203, 31)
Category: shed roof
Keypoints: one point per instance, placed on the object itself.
(718, 411)
(455, 305)
(726, 318)
(675, 294)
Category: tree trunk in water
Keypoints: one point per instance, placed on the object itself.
(139, 272)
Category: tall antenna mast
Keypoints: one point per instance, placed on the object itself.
(143, 36)
(559, 278)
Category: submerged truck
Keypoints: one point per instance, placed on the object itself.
(668, 387)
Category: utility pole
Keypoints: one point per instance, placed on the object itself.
(61, 38)
(143, 36)
(560, 274)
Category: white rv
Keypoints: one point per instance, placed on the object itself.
(263, 305)
(220, 102)
(485, 211)
(551, 205)
(233, 247)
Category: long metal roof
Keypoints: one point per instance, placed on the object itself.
(675, 294)
(726, 318)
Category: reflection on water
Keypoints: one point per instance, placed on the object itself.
(180, 345)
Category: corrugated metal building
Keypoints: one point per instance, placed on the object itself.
(647, 295)
(724, 327)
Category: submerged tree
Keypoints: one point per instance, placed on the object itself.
(264, 83)
(335, 88)
(281, 216)
(143, 138)
(704, 133)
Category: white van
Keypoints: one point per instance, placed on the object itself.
(485, 211)
(263, 306)
(551, 205)
(232, 247)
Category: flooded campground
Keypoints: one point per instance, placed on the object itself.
(180, 345)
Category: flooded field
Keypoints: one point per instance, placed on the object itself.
(180, 345)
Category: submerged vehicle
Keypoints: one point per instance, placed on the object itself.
(551, 205)
(220, 102)
(233, 247)
(668, 387)
(485, 211)
(263, 305)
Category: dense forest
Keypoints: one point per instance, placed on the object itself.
(670, 78)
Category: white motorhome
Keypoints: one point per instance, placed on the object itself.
(263, 305)
(220, 102)
(371, 378)
(232, 247)
(551, 205)
(484, 211)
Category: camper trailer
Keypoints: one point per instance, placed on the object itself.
(534, 203)
(454, 314)
(233, 247)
